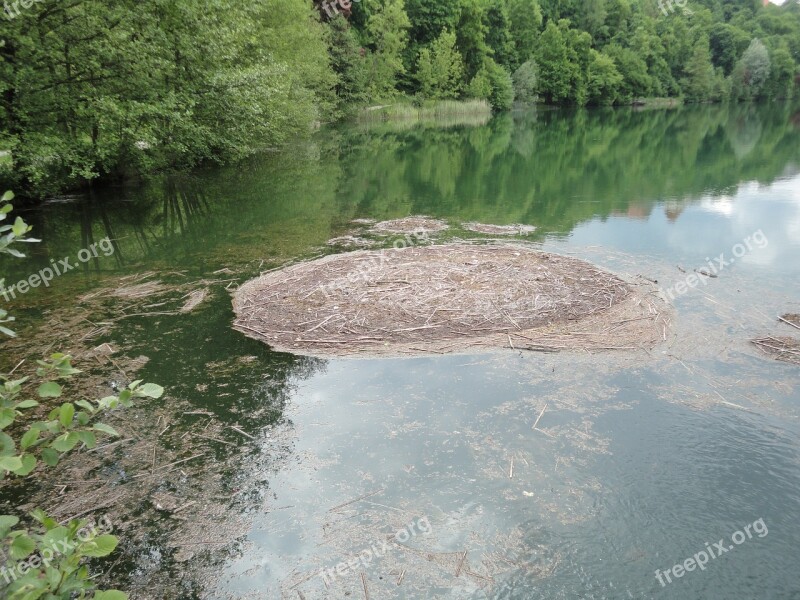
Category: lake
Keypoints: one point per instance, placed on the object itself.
(426, 473)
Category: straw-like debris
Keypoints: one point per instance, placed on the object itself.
(410, 225)
(781, 348)
(139, 291)
(447, 298)
(193, 300)
(515, 229)
(791, 319)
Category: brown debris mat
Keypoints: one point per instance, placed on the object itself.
(447, 298)
(515, 229)
(781, 348)
(410, 225)
(791, 319)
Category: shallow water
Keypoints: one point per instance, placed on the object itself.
(639, 460)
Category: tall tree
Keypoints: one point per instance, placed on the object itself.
(388, 33)
(498, 34)
(349, 64)
(440, 68)
(526, 82)
(471, 33)
(525, 22)
(752, 70)
(603, 79)
(555, 70)
(700, 72)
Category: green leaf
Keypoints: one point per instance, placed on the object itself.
(7, 197)
(102, 545)
(106, 429)
(28, 465)
(7, 416)
(10, 463)
(150, 390)
(6, 523)
(52, 577)
(50, 457)
(107, 402)
(19, 228)
(49, 390)
(7, 331)
(66, 414)
(42, 518)
(7, 445)
(55, 538)
(29, 439)
(65, 442)
(85, 405)
(110, 595)
(22, 547)
(88, 438)
(27, 404)
(33, 587)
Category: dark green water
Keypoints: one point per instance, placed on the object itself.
(645, 457)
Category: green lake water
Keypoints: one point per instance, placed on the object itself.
(640, 459)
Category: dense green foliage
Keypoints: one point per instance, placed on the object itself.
(94, 89)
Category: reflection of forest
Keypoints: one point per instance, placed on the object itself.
(558, 168)
(552, 168)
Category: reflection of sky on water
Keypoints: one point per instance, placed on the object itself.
(712, 226)
(640, 464)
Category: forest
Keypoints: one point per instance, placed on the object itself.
(94, 90)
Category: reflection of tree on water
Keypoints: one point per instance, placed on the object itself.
(744, 132)
(184, 204)
(94, 212)
(561, 167)
(550, 168)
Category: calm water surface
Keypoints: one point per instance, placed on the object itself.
(640, 459)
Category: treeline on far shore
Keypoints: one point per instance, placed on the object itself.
(104, 90)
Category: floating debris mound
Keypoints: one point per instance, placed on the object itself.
(418, 225)
(486, 228)
(447, 298)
